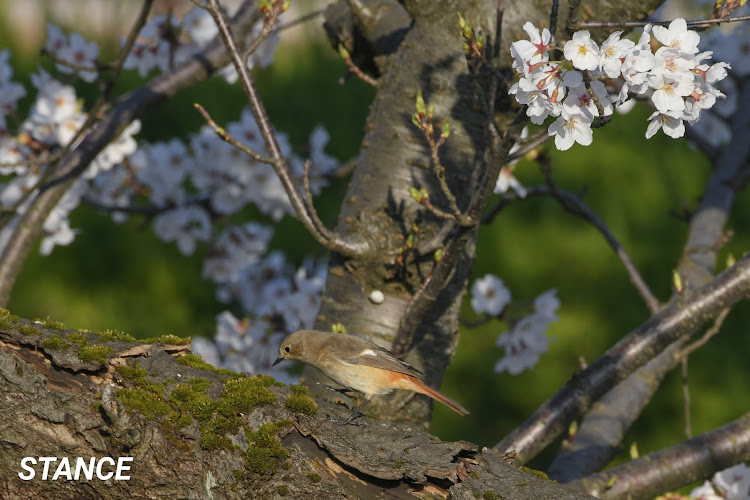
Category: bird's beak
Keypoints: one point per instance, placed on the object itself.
(278, 360)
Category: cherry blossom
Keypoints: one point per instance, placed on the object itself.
(679, 80)
(613, 53)
(669, 122)
(569, 129)
(582, 51)
(677, 36)
(527, 340)
(489, 295)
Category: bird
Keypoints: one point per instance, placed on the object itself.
(358, 364)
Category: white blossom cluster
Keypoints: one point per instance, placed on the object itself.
(527, 340)
(677, 78)
(52, 124)
(166, 40)
(190, 186)
(730, 484)
(280, 299)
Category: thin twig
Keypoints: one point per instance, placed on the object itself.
(280, 164)
(442, 272)
(309, 201)
(706, 336)
(572, 23)
(553, 19)
(573, 204)
(127, 47)
(686, 397)
(302, 19)
(355, 70)
(227, 137)
(529, 145)
(637, 24)
(268, 29)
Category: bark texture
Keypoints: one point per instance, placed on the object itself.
(196, 433)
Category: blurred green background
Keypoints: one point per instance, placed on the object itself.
(120, 276)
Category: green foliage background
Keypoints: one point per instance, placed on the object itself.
(120, 276)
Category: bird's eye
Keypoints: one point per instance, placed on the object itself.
(287, 349)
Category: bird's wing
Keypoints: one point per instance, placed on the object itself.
(377, 357)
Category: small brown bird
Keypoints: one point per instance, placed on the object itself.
(357, 364)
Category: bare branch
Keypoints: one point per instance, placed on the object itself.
(279, 163)
(227, 137)
(573, 204)
(678, 321)
(693, 460)
(572, 23)
(638, 24)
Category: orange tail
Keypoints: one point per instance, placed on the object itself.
(420, 387)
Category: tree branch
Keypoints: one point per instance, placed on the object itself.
(638, 24)
(126, 109)
(576, 206)
(679, 320)
(693, 460)
(280, 165)
(605, 425)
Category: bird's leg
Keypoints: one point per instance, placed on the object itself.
(356, 413)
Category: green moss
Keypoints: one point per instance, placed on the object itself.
(315, 478)
(238, 475)
(241, 395)
(199, 383)
(55, 342)
(28, 330)
(19, 370)
(535, 472)
(282, 491)
(489, 495)
(115, 335)
(299, 403)
(134, 373)
(151, 405)
(299, 389)
(474, 474)
(7, 320)
(51, 324)
(94, 353)
(260, 460)
(173, 423)
(214, 433)
(399, 463)
(6, 314)
(262, 456)
(300, 400)
(287, 465)
(192, 396)
(78, 339)
(168, 339)
(195, 361)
